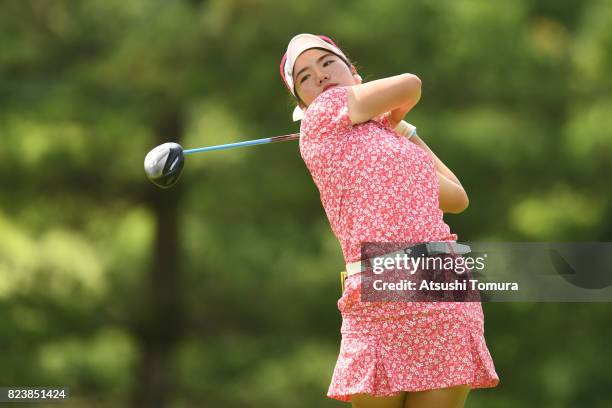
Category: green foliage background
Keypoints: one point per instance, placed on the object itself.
(222, 291)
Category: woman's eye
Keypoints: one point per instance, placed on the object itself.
(304, 78)
(326, 63)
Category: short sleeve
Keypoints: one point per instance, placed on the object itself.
(327, 114)
(384, 120)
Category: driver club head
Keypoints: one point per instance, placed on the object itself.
(164, 164)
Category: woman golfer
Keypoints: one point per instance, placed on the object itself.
(376, 184)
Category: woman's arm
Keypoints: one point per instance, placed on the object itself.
(369, 100)
(398, 95)
(440, 166)
(452, 195)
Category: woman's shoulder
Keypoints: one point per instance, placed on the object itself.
(337, 93)
(328, 110)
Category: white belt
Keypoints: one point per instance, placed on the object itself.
(433, 248)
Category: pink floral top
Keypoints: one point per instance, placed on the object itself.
(375, 185)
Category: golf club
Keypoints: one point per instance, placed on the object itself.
(164, 164)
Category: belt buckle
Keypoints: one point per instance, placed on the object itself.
(416, 250)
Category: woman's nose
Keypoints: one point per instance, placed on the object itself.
(322, 76)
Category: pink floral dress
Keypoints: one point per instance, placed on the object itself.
(377, 186)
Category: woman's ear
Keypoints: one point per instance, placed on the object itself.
(356, 76)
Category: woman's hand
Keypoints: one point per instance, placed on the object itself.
(397, 115)
(393, 121)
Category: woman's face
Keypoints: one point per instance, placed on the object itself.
(318, 70)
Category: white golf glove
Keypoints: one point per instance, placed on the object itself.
(404, 128)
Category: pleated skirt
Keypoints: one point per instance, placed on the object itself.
(389, 347)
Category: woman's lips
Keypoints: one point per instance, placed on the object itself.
(329, 86)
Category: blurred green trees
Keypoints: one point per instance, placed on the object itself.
(222, 291)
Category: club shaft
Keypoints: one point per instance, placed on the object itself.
(273, 139)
